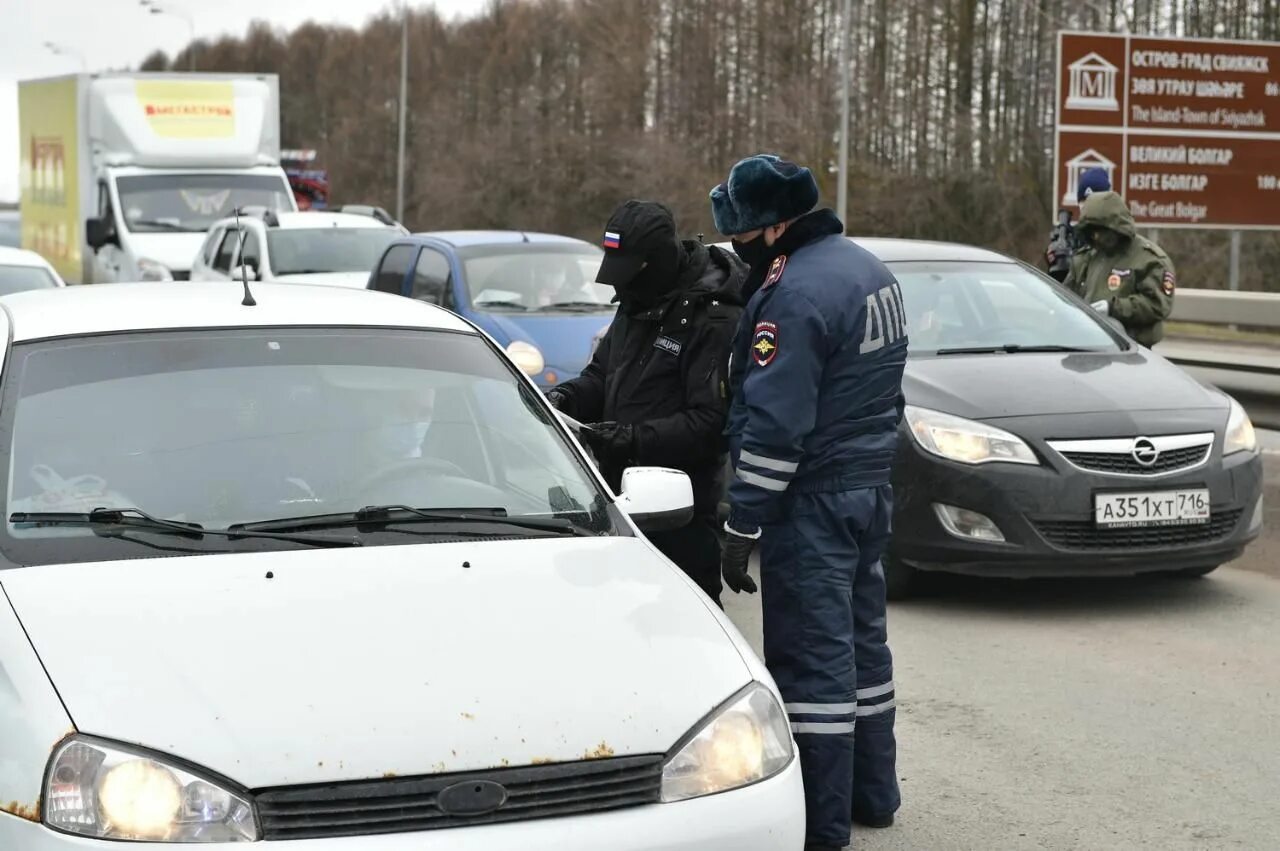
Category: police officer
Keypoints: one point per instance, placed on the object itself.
(816, 388)
(1121, 273)
(1064, 241)
(657, 379)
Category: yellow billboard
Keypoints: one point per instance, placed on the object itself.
(182, 109)
(49, 173)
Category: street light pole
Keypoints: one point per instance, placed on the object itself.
(404, 91)
(155, 7)
(842, 191)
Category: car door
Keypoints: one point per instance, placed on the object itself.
(222, 260)
(200, 268)
(391, 275)
(108, 259)
(432, 280)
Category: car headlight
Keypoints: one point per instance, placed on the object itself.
(108, 791)
(527, 357)
(150, 270)
(745, 741)
(1240, 434)
(966, 441)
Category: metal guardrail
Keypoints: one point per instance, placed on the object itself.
(1225, 307)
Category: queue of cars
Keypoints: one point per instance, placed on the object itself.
(335, 555)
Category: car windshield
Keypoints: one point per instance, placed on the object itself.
(305, 251)
(528, 277)
(15, 279)
(997, 306)
(221, 427)
(159, 203)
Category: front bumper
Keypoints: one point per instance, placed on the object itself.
(1046, 516)
(768, 816)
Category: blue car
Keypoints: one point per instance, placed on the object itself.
(534, 293)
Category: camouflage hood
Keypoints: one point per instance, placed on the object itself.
(1107, 210)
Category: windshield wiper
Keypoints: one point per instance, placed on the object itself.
(382, 515)
(134, 518)
(1010, 349)
(163, 225)
(512, 305)
(577, 306)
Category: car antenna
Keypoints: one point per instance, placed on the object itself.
(248, 300)
(524, 236)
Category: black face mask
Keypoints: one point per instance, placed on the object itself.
(753, 253)
(651, 286)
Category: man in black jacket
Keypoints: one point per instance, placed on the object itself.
(656, 388)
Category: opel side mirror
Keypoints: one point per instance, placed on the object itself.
(656, 499)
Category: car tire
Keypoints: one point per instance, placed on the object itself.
(902, 581)
(1194, 572)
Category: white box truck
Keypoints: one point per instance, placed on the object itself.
(122, 174)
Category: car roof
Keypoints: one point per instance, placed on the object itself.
(21, 257)
(473, 238)
(889, 250)
(901, 250)
(113, 308)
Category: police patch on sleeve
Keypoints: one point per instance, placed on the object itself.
(775, 271)
(764, 344)
(1168, 284)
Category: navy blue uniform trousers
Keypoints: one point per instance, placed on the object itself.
(825, 643)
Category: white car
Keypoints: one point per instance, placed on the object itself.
(22, 270)
(327, 568)
(330, 249)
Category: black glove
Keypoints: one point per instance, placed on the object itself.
(558, 398)
(611, 440)
(734, 556)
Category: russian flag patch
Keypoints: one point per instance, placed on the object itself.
(612, 240)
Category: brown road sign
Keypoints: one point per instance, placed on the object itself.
(1188, 130)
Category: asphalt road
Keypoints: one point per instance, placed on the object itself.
(1107, 714)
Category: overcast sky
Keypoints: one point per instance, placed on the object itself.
(120, 34)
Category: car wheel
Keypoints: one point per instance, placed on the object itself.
(901, 580)
(1194, 572)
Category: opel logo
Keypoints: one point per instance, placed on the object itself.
(471, 798)
(1145, 452)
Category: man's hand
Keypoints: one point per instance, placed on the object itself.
(734, 557)
(1103, 307)
(558, 398)
(610, 439)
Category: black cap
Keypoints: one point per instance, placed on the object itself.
(635, 231)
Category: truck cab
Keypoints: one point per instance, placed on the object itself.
(123, 174)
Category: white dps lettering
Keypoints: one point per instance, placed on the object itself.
(886, 319)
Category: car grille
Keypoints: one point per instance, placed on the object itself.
(395, 805)
(1110, 462)
(1084, 535)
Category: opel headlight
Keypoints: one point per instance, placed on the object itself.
(526, 356)
(107, 791)
(1240, 434)
(745, 741)
(150, 270)
(966, 441)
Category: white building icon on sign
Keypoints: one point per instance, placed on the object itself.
(1078, 166)
(1093, 84)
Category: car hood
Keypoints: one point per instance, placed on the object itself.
(564, 339)
(312, 666)
(177, 251)
(354, 280)
(1019, 385)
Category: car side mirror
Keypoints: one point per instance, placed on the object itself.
(240, 273)
(656, 498)
(99, 232)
